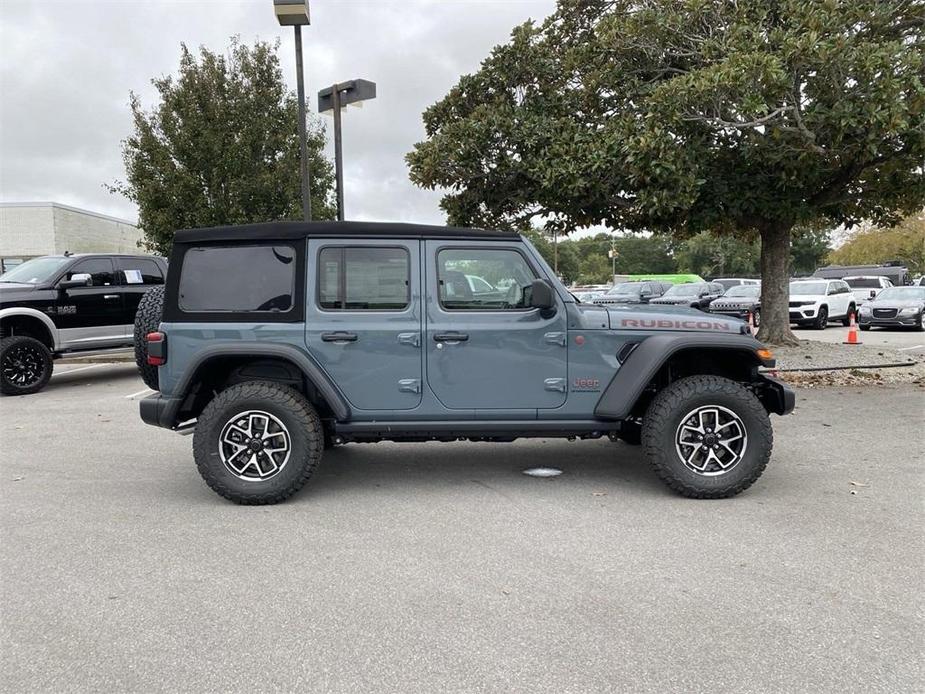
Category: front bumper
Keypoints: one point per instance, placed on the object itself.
(741, 313)
(159, 411)
(897, 321)
(799, 314)
(776, 396)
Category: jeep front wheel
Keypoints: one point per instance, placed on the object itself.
(25, 365)
(707, 437)
(258, 442)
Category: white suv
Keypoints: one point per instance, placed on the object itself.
(815, 302)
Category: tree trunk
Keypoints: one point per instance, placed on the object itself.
(775, 286)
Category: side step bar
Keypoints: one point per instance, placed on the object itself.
(480, 429)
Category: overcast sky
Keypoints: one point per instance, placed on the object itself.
(67, 66)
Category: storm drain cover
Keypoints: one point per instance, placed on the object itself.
(543, 472)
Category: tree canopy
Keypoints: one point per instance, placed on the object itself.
(684, 116)
(221, 147)
(905, 242)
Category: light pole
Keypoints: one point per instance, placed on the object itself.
(294, 13)
(334, 98)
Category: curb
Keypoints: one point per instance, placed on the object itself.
(894, 365)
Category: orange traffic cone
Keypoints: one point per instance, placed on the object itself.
(852, 332)
(751, 323)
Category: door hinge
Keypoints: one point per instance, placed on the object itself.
(409, 385)
(555, 384)
(555, 338)
(413, 339)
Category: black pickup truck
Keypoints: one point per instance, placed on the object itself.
(64, 304)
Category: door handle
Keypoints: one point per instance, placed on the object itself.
(338, 337)
(110, 296)
(450, 337)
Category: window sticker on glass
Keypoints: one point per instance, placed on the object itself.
(133, 277)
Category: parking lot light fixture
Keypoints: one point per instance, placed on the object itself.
(334, 98)
(295, 13)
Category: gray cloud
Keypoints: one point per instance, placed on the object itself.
(66, 69)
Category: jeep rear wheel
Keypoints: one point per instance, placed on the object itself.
(258, 442)
(25, 365)
(707, 437)
(147, 320)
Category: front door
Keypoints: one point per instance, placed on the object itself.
(487, 350)
(91, 316)
(363, 320)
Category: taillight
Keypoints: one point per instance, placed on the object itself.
(157, 348)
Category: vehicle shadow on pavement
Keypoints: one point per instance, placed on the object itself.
(423, 467)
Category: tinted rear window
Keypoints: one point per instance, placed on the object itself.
(238, 278)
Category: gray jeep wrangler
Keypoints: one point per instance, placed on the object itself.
(279, 340)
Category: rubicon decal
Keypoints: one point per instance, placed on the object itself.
(665, 324)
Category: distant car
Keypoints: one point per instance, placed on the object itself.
(739, 302)
(479, 285)
(633, 293)
(815, 302)
(729, 282)
(694, 294)
(587, 296)
(895, 306)
(866, 287)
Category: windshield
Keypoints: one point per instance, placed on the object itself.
(901, 294)
(863, 282)
(625, 289)
(684, 290)
(804, 288)
(35, 271)
(744, 290)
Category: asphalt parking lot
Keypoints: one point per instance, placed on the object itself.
(441, 567)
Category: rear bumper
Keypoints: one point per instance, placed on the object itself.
(159, 411)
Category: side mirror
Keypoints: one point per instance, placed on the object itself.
(542, 295)
(873, 293)
(80, 279)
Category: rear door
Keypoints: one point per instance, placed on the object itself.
(137, 276)
(363, 319)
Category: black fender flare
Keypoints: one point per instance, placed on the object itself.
(302, 361)
(640, 367)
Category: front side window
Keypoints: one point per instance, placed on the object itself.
(363, 279)
(477, 279)
(237, 279)
(99, 269)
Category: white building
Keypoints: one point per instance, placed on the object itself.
(29, 229)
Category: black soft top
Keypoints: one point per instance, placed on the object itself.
(299, 230)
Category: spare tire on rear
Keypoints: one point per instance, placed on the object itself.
(147, 320)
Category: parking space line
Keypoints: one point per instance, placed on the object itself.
(140, 392)
(80, 368)
(906, 349)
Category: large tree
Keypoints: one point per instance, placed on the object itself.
(682, 116)
(221, 147)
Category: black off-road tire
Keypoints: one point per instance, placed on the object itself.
(15, 348)
(147, 319)
(289, 406)
(664, 416)
(822, 319)
(863, 327)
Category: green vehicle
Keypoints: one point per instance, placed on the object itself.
(672, 279)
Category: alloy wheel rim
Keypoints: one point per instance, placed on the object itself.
(23, 366)
(254, 445)
(711, 440)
